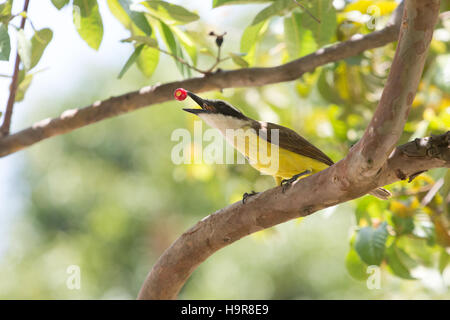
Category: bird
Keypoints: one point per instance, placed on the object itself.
(297, 157)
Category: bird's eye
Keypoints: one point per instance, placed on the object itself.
(208, 107)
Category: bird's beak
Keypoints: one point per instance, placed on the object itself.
(203, 103)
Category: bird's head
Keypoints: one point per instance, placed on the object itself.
(214, 109)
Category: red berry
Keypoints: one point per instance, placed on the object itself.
(180, 94)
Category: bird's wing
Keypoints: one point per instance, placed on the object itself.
(291, 140)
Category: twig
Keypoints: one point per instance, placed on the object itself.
(179, 59)
(306, 10)
(219, 41)
(430, 195)
(4, 129)
(22, 14)
(205, 72)
(411, 192)
(187, 64)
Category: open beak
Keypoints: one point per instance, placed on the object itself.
(204, 104)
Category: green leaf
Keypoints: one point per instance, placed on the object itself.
(131, 60)
(24, 49)
(137, 17)
(168, 37)
(39, 42)
(148, 41)
(88, 22)
(119, 13)
(218, 3)
(323, 10)
(188, 44)
(355, 267)
(299, 41)
(186, 71)
(370, 244)
(5, 11)
(148, 57)
(146, 54)
(5, 43)
(202, 43)
(171, 13)
(148, 60)
(363, 203)
(444, 260)
(24, 81)
(60, 3)
(173, 46)
(327, 90)
(402, 225)
(407, 260)
(237, 59)
(254, 31)
(395, 263)
(251, 35)
(445, 190)
(277, 8)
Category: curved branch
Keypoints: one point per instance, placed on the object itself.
(367, 166)
(247, 77)
(387, 123)
(273, 207)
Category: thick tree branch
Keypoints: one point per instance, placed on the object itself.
(273, 207)
(248, 77)
(4, 129)
(387, 123)
(367, 166)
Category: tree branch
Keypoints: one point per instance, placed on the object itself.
(273, 207)
(4, 129)
(387, 123)
(367, 166)
(247, 77)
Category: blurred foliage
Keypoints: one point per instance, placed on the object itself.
(109, 198)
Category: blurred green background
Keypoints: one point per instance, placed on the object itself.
(108, 198)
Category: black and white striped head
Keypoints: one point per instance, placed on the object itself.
(212, 108)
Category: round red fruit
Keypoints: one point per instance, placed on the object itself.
(180, 94)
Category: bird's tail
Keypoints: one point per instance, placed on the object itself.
(381, 193)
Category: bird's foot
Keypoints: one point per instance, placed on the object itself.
(248, 195)
(286, 183)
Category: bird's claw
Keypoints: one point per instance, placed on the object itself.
(248, 195)
(286, 183)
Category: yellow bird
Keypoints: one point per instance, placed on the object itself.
(270, 148)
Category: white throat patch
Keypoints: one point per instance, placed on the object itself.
(222, 122)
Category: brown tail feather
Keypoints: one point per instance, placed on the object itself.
(381, 193)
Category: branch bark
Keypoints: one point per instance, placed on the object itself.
(387, 123)
(367, 166)
(273, 207)
(248, 77)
